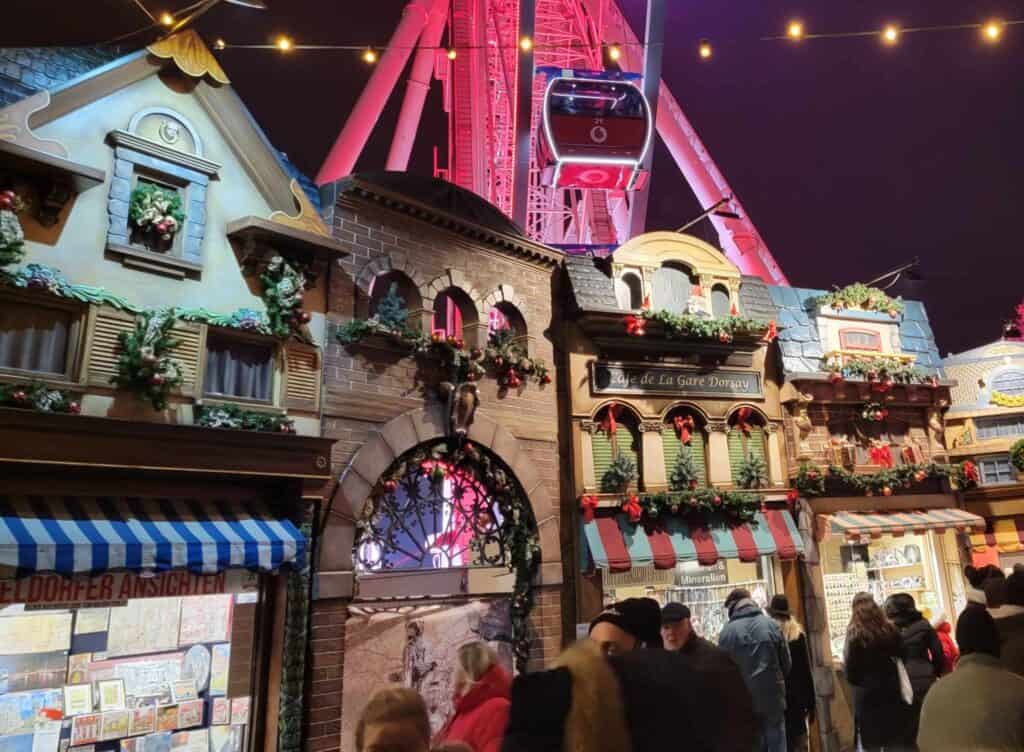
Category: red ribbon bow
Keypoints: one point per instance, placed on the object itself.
(632, 507)
(773, 332)
(882, 456)
(684, 426)
(647, 303)
(636, 326)
(588, 505)
(608, 424)
(742, 416)
(792, 496)
(971, 471)
(734, 311)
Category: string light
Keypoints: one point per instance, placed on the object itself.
(614, 52)
(220, 44)
(452, 54)
(369, 56)
(526, 44)
(890, 34)
(284, 44)
(705, 49)
(795, 30)
(166, 19)
(992, 31)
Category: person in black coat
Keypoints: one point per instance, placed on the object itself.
(923, 654)
(873, 643)
(800, 682)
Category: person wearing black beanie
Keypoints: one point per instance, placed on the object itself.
(981, 704)
(627, 625)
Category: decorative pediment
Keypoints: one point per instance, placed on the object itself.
(191, 55)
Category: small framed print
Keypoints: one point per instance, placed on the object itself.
(184, 690)
(129, 745)
(142, 721)
(77, 699)
(78, 668)
(85, 729)
(166, 717)
(239, 711)
(190, 713)
(111, 693)
(114, 725)
(220, 715)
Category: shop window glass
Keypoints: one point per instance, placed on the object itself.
(994, 428)
(34, 338)
(1009, 382)
(720, 303)
(860, 339)
(629, 292)
(996, 470)
(453, 309)
(698, 449)
(238, 368)
(505, 317)
(672, 286)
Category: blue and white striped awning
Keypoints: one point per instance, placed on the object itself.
(72, 535)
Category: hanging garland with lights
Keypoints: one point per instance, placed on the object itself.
(701, 506)
(810, 479)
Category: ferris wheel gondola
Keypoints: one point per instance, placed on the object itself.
(596, 129)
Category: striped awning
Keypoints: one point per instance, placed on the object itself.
(71, 535)
(1006, 534)
(854, 525)
(618, 545)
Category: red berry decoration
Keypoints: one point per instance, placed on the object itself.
(74, 407)
(724, 337)
(475, 353)
(718, 501)
(886, 491)
(156, 379)
(835, 377)
(460, 343)
(6, 202)
(305, 317)
(545, 379)
(435, 338)
(919, 476)
(499, 361)
(19, 396)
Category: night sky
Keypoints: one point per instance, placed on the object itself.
(850, 158)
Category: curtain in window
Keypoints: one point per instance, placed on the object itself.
(239, 369)
(34, 339)
(447, 316)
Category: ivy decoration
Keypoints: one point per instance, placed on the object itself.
(1017, 455)
(859, 296)
(283, 285)
(235, 417)
(620, 473)
(12, 238)
(39, 397)
(144, 365)
(155, 211)
(692, 326)
(874, 412)
(50, 280)
(752, 473)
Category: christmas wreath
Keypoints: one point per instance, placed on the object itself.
(38, 396)
(144, 365)
(283, 285)
(233, 416)
(155, 211)
(860, 296)
(12, 239)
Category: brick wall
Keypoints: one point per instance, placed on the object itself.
(324, 679)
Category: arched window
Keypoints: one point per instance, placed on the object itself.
(629, 292)
(684, 432)
(386, 287)
(747, 439)
(505, 317)
(617, 436)
(453, 310)
(672, 286)
(1010, 383)
(721, 304)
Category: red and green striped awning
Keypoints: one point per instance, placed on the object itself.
(854, 525)
(618, 545)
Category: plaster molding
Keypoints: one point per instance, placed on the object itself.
(199, 164)
(192, 57)
(308, 219)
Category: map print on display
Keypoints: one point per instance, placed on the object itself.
(145, 625)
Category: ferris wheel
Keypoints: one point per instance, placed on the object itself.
(541, 124)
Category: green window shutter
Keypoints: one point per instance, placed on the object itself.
(755, 444)
(629, 445)
(736, 455)
(602, 454)
(743, 445)
(671, 443)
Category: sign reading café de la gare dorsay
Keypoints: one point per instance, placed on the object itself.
(640, 378)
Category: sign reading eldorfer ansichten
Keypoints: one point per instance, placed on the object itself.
(640, 378)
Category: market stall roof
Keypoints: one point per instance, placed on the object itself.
(1006, 534)
(854, 525)
(78, 535)
(618, 545)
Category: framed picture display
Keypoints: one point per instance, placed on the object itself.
(130, 745)
(78, 668)
(190, 713)
(220, 715)
(85, 729)
(239, 711)
(166, 717)
(184, 690)
(157, 742)
(111, 692)
(114, 724)
(77, 699)
(142, 721)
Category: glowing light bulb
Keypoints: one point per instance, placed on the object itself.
(452, 54)
(614, 53)
(526, 44)
(220, 44)
(284, 44)
(705, 49)
(369, 56)
(992, 31)
(795, 30)
(891, 34)
(166, 19)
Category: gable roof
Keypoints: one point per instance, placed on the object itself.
(800, 342)
(27, 70)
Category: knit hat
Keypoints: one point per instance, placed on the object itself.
(639, 617)
(976, 632)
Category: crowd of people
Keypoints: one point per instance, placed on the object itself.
(645, 681)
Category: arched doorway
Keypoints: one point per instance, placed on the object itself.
(446, 551)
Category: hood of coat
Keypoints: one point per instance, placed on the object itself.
(495, 683)
(908, 617)
(744, 609)
(914, 630)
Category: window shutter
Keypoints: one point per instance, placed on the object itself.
(743, 445)
(187, 351)
(672, 445)
(105, 344)
(302, 379)
(671, 289)
(736, 455)
(603, 452)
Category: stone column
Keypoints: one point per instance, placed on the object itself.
(776, 457)
(719, 470)
(652, 455)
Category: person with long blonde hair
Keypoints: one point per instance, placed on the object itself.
(873, 645)
(482, 690)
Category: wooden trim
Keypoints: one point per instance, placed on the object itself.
(267, 686)
(167, 264)
(283, 237)
(845, 331)
(27, 161)
(74, 356)
(296, 402)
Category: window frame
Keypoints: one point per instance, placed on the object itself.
(845, 344)
(74, 353)
(1017, 374)
(1015, 422)
(997, 460)
(639, 290)
(277, 356)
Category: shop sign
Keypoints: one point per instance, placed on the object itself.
(704, 576)
(640, 378)
(51, 590)
(639, 576)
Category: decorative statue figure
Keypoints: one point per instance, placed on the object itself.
(462, 401)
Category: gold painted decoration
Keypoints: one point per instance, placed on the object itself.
(307, 219)
(191, 55)
(14, 127)
(1007, 400)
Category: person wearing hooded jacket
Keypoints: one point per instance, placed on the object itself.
(482, 692)
(923, 653)
(756, 644)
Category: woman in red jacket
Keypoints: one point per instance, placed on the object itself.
(482, 689)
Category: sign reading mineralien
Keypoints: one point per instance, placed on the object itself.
(639, 378)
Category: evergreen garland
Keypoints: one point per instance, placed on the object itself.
(38, 396)
(233, 416)
(1017, 455)
(688, 325)
(860, 296)
(708, 505)
(684, 474)
(810, 479)
(283, 286)
(752, 473)
(620, 473)
(144, 365)
(883, 369)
